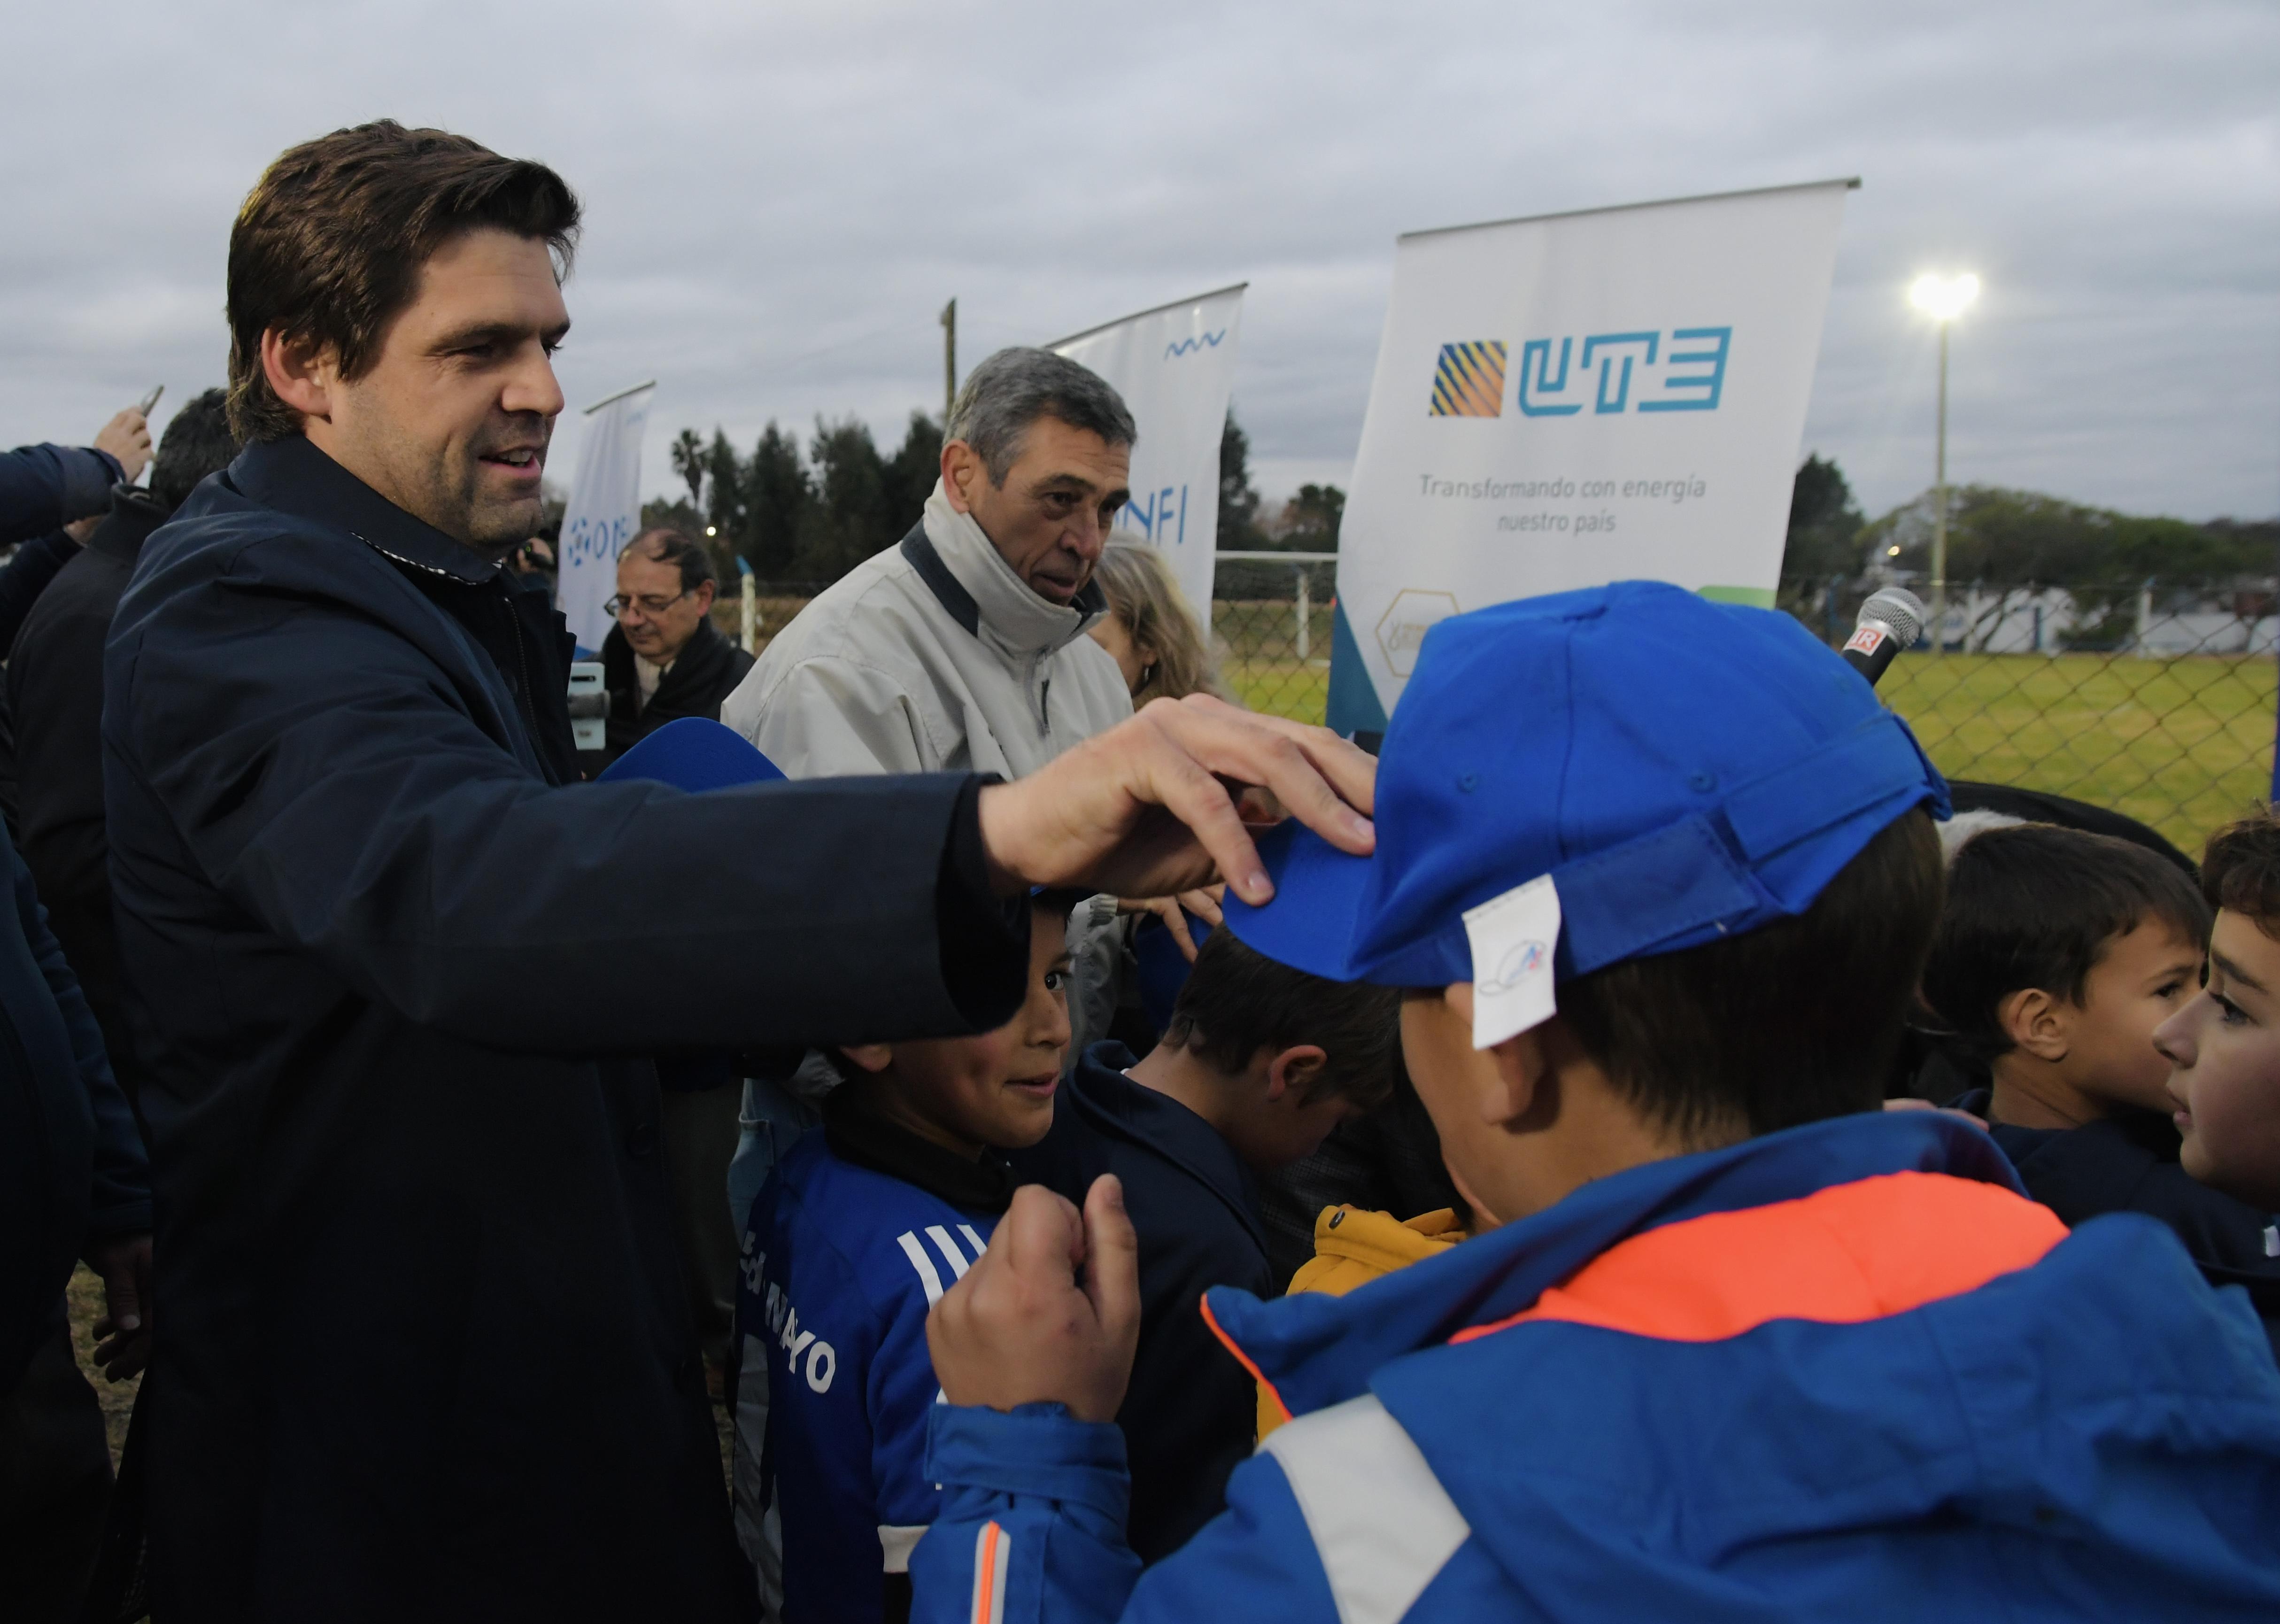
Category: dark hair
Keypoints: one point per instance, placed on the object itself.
(329, 243)
(667, 545)
(1787, 1024)
(2037, 905)
(2240, 872)
(1014, 388)
(1236, 1002)
(197, 443)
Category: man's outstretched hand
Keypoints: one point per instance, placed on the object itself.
(1146, 809)
(1050, 1313)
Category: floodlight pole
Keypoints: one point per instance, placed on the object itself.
(1939, 510)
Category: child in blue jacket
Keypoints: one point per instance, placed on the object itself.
(1656, 877)
(856, 1235)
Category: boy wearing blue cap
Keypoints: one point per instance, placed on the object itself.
(1656, 876)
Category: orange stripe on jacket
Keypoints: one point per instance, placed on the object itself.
(1281, 1411)
(1855, 1251)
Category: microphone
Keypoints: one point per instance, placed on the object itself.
(1890, 622)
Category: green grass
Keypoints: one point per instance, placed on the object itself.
(2183, 744)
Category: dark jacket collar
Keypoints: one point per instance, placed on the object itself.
(1115, 1105)
(951, 593)
(859, 1135)
(295, 477)
(135, 513)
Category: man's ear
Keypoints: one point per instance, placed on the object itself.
(301, 372)
(870, 1056)
(1294, 1071)
(704, 595)
(963, 471)
(2036, 1023)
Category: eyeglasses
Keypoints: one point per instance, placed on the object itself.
(616, 606)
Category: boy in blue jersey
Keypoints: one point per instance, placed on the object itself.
(1656, 877)
(854, 1237)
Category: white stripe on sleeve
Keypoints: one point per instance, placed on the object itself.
(974, 1241)
(923, 1264)
(1383, 1524)
(948, 1248)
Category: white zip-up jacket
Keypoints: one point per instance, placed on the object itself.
(932, 656)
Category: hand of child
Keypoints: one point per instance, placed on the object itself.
(1050, 1313)
(1144, 810)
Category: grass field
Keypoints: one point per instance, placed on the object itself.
(2183, 744)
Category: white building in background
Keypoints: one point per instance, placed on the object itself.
(2038, 621)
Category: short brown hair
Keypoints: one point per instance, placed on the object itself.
(1785, 1024)
(2240, 872)
(1237, 1001)
(329, 244)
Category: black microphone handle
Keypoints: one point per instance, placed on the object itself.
(1871, 649)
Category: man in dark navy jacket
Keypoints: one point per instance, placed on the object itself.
(425, 1353)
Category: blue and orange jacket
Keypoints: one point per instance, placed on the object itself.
(1847, 1370)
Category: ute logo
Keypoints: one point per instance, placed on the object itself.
(1613, 373)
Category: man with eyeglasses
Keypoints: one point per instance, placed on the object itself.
(663, 659)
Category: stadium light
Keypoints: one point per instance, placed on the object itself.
(1943, 298)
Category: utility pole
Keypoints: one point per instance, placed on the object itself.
(949, 361)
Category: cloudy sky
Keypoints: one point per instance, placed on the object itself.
(780, 195)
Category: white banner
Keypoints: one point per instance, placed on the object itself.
(604, 513)
(1175, 365)
(1579, 398)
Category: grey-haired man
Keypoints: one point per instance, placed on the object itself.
(963, 649)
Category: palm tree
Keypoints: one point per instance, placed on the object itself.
(689, 463)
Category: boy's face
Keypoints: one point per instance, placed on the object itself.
(2224, 1045)
(997, 1087)
(2145, 976)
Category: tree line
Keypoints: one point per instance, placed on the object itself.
(810, 512)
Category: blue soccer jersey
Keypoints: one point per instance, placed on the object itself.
(841, 1264)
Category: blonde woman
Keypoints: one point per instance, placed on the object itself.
(1162, 650)
(1150, 627)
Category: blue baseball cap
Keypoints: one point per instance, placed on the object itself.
(1681, 770)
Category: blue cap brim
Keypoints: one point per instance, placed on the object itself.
(696, 754)
(1313, 920)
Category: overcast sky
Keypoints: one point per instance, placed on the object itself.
(779, 197)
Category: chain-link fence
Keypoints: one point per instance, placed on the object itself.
(2156, 699)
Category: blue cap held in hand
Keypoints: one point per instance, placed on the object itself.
(1680, 771)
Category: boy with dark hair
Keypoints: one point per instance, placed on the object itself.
(2225, 1043)
(1259, 1063)
(1656, 877)
(2057, 956)
(850, 1242)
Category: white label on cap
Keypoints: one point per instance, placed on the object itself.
(1513, 938)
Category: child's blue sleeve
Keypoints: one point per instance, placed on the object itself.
(1032, 1529)
(1052, 1548)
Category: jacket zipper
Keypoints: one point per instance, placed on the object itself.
(523, 692)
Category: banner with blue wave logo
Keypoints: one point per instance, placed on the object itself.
(604, 513)
(1574, 399)
(1175, 365)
